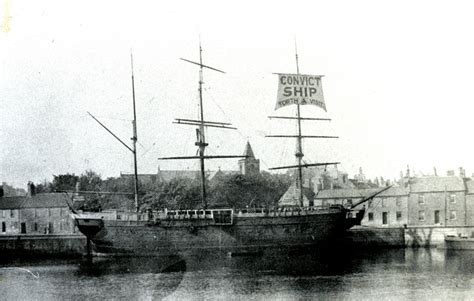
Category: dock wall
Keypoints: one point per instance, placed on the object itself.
(433, 236)
(372, 237)
(43, 245)
(411, 237)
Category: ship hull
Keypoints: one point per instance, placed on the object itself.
(244, 235)
(459, 243)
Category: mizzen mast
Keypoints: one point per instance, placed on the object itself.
(134, 138)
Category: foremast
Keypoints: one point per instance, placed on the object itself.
(299, 137)
(299, 147)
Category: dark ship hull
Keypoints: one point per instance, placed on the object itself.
(221, 231)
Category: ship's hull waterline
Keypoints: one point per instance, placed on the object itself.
(243, 235)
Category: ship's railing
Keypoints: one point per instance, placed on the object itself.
(123, 215)
(284, 211)
(188, 214)
(220, 216)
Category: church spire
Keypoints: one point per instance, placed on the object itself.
(248, 152)
(249, 165)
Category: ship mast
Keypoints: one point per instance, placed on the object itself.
(299, 148)
(299, 138)
(134, 138)
(201, 138)
(200, 130)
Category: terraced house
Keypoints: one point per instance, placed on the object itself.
(43, 213)
(417, 201)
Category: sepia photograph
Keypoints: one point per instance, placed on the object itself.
(236, 150)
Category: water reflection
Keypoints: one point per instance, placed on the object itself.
(130, 265)
(341, 274)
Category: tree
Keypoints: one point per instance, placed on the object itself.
(90, 181)
(65, 182)
(240, 191)
(179, 193)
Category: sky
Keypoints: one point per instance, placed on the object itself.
(397, 84)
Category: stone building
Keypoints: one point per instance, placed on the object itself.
(429, 201)
(42, 213)
(388, 208)
(345, 197)
(469, 201)
(437, 201)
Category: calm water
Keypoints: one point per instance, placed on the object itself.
(389, 274)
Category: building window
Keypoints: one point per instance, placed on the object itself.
(399, 216)
(421, 215)
(384, 218)
(23, 228)
(370, 203)
(50, 227)
(49, 212)
(36, 213)
(399, 202)
(4, 227)
(3, 213)
(371, 216)
(452, 198)
(436, 217)
(452, 215)
(12, 213)
(324, 203)
(35, 227)
(421, 199)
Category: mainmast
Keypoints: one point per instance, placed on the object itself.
(200, 130)
(201, 137)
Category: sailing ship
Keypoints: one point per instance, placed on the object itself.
(234, 230)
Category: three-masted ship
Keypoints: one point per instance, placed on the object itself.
(171, 232)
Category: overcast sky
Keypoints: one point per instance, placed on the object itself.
(398, 83)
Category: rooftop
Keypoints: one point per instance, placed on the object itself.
(40, 200)
(436, 184)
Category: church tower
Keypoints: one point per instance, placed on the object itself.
(249, 166)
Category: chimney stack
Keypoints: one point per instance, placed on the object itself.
(462, 172)
(31, 189)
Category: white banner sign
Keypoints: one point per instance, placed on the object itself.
(302, 89)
